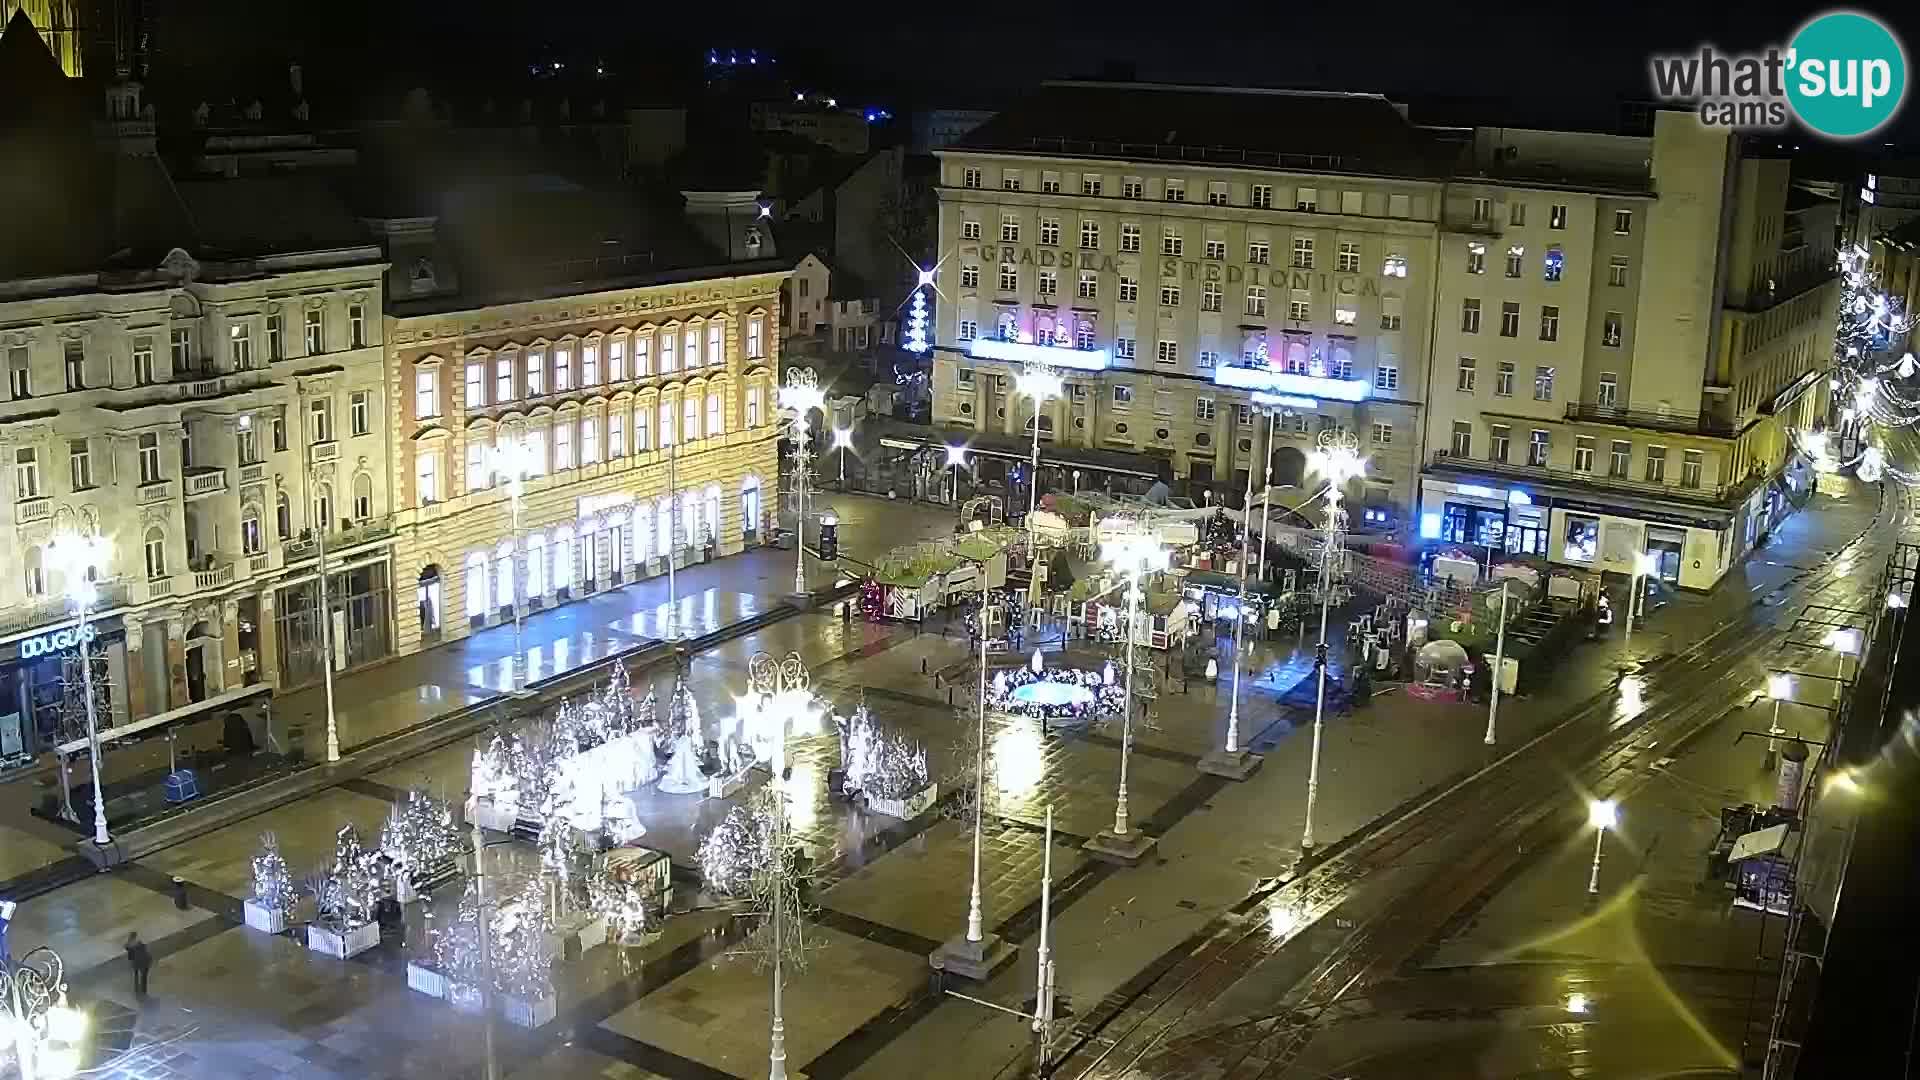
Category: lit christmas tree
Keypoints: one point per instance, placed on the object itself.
(917, 322)
(272, 880)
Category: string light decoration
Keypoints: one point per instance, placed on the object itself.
(917, 316)
(518, 941)
(881, 763)
(272, 879)
(348, 891)
(1071, 695)
(1868, 323)
(420, 833)
(683, 735)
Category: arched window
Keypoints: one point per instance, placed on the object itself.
(690, 417)
(503, 575)
(251, 540)
(750, 504)
(36, 571)
(476, 584)
(362, 497)
(283, 516)
(713, 514)
(563, 557)
(322, 505)
(716, 422)
(536, 564)
(156, 550)
(666, 423)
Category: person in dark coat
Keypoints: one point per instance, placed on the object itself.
(140, 959)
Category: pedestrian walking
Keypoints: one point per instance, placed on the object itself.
(140, 959)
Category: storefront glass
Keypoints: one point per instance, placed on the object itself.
(1582, 542)
(362, 614)
(1464, 523)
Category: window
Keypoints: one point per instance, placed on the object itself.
(1050, 183)
(590, 359)
(617, 354)
(1216, 194)
(316, 331)
(1516, 255)
(1089, 235)
(1300, 305)
(689, 418)
(1009, 278)
(1557, 216)
(155, 547)
(1203, 409)
(1390, 313)
(1050, 232)
(969, 329)
(357, 325)
(536, 444)
(1582, 454)
(1656, 464)
(1516, 213)
(1382, 434)
(589, 440)
(1083, 335)
(1169, 296)
(692, 339)
(1175, 191)
(616, 434)
(181, 349)
(426, 477)
(1394, 266)
(1497, 444)
(1539, 444)
(26, 474)
(1089, 288)
(1476, 258)
(1303, 252)
(1009, 229)
(426, 394)
(479, 476)
(970, 178)
(1462, 439)
(642, 414)
(1261, 253)
(1167, 352)
(1353, 202)
(1122, 396)
(1009, 181)
(1509, 320)
(276, 337)
(1622, 222)
(1306, 199)
(1503, 379)
(1690, 467)
(1609, 388)
(251, 540)
(1171, 242)
(643, 354)
(1346, 316)
(76, 363)
(1549, 323)
(1386, 377)
(1216, 249)
(1089, 184)
(1617, 271)
(1348, 260)
(969, 230)
(1049, 282)
(1482, 210)
(362, 497)
(1162, 405)
(80, 463)
(1543, 384)
(1129, 237)
(1133, 188)
(1470, 316)
(1610, 330)
(280, 428)
(1210, 294)
(239, 347)
(536, 369)
(320, 420)
(1129, 290)
(756, 337)
(476, 384)
(1619, 459)
(1206, 359)
(1464, 379)
(1554, 265)
(503, 380)
(716, 420)
(1261, 196)
(143, 361)
(360, 412)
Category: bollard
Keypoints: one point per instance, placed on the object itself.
(949, 695)
(923, 665)
(180, 893)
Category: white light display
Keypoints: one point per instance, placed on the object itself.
(917, 322)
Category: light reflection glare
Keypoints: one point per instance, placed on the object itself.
(1577, 1004)
(1019, 757)
(1631, 701)
(1282, 920)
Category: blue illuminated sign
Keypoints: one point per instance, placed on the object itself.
(1281, 382)
(1021, 352)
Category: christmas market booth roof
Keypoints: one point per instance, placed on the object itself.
(1157, 602)
(917, 564)
(1214, 579)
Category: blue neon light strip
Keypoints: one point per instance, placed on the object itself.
(1246, 378)
(1020, 352)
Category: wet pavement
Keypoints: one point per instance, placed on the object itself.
(231, 1001)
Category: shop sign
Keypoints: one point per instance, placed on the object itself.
(55, 641)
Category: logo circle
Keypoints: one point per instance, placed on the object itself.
(1849, 74)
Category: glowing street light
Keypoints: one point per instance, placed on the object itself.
(1135, 552)
(512, 459)
(80, 558)
(843, 442)
(956, 460)
(785, 702)
(1233, 762)
(1779, 688)
(1041, 384)
(1645, 565)
(1602, 814)
(1337, 461)
(47, 1032)
(801, 395)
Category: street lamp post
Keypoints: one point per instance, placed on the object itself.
(1499, 664)
(1845, 642)
(1338, 460)
(1602, 814)
(1266, 493)
(843, 442)
(1644, 566)
(956, 457)
(1135, 552)
(1234, 763)
(801, 395)
(47, 1032)
(1779, 688)
(79, 559)
(1041, 384)
(511, 458)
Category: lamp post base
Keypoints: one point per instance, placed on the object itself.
(802, 600)
(974, 960)
(1238, 765)
(1126, 850)
(103, 858)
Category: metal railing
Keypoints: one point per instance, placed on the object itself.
(1682, 423)
(111, 594)
(361, 532)
(1715, 493)
(214, 578)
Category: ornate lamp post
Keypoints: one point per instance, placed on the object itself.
(956, 459)
(1338, 461)
(1136, 552)
(1233, 762)
(512, 458)
(801, 395)
(1041, 384)
(1602, 814)
(80, 558)
(46, 1031)
(843, 442)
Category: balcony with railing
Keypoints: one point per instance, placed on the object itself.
(212, 574)
(109, 595)
(307, 546)
(1655, 420)
(28, 511)
(1592, 482)
(204, 481)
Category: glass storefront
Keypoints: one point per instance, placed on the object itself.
(41, 704)
(1465, 523)
(362, 605)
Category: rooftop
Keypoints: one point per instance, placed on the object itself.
(1362, 134)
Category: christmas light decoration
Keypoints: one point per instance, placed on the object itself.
(272, 879)
(346, 894)
(420, 834)
(1071, 695)
(880, 763)
(917, 315)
